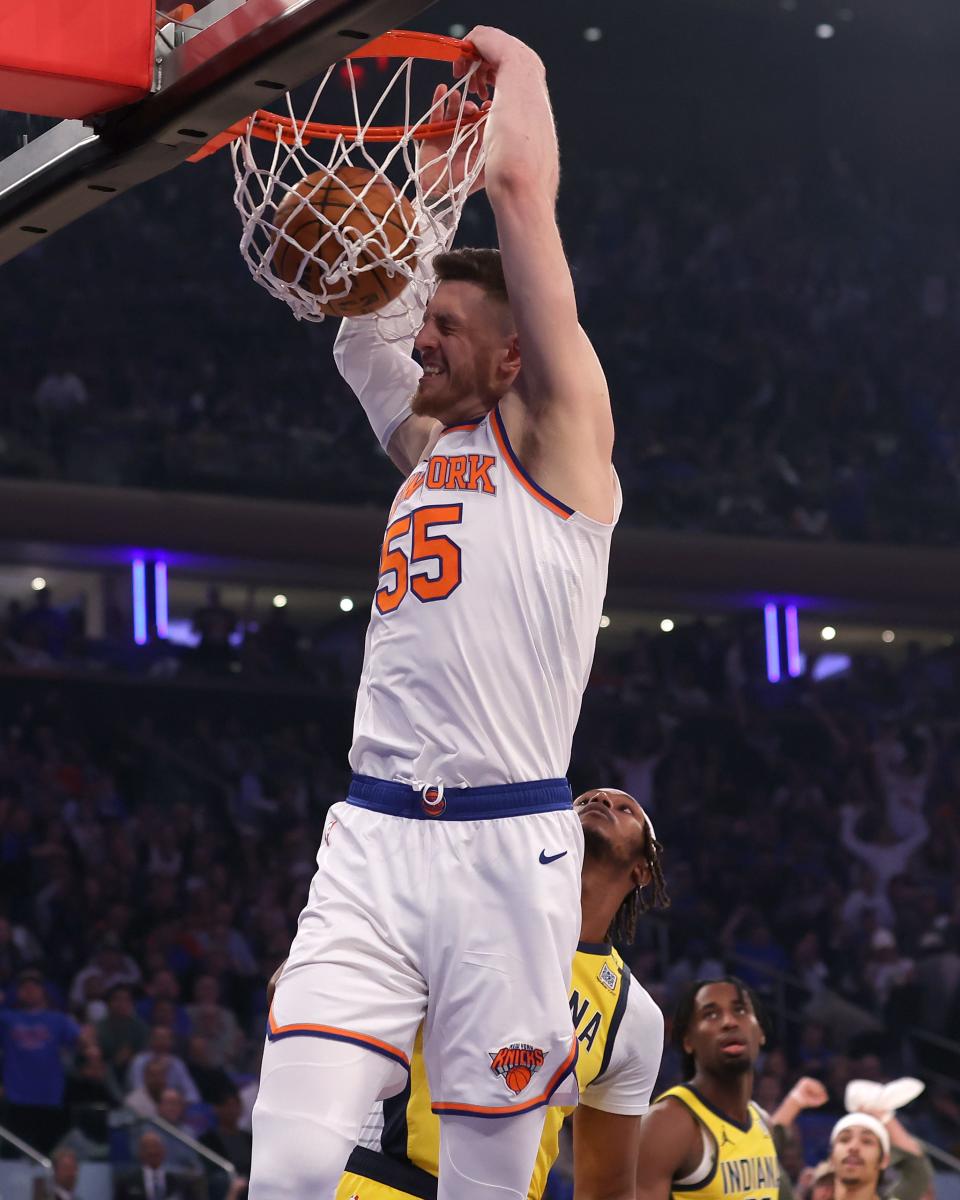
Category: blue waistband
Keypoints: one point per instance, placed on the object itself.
(459, 804)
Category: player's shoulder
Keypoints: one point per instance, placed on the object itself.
(764, 1123)
(672, 1108)
(642, 1011)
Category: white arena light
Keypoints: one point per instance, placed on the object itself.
(346, 604)
(888, 636)
(280, 600)
(38, 584)
(828, 633)
(825, 31)
(666, 625)
(592, 34)
(458, 30)
(604, 622)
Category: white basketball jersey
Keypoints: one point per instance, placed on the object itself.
(484, 624)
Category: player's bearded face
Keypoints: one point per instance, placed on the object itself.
(461, 346)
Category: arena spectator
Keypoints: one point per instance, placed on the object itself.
(214, 624)
(227, 1138)
(211, 1080)
(108, 967)
(885, 852)
(91, 1082)
(66, 1170)
(216, 1024)
(145, 1099)
(121, 1033)
(34, 1080)
(152, 1178)
(161, 1045)
(178, 1155)
(162, 905)
(12, 958)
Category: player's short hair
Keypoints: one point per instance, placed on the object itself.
(481, 266)
(686, 1006)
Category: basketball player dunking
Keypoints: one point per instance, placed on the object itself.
(447, 884)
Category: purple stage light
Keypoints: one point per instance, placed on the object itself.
(139, 602)
(160, 597)
(794, 661)
(773, 642)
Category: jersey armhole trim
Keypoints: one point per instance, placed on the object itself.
(704, 1135)
(619, 1009)
(517, 470)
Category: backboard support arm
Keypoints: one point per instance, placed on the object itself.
(235, 58)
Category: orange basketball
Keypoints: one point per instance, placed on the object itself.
(306, 235)
(518, 1078)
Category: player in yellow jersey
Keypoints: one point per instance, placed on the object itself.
(619, 1031)
(706, 1137)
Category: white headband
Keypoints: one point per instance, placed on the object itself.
(863, 1121)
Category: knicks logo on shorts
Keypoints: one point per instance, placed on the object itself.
(516, 1064)
(432, 801)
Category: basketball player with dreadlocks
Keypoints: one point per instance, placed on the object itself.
(618, 1027)
(706, 1137)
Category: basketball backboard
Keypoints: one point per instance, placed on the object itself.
(229, 58)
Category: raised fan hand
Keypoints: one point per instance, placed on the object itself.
(809, 1093)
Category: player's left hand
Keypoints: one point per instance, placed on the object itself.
(494, 47)
(437, 174)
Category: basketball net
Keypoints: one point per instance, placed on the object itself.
(272, 155)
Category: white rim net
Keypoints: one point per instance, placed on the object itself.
(407, 200)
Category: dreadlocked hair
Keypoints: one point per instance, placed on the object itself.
(623, 927)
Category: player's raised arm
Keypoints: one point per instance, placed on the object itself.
(561, 382)
(384, 378)
(668, 1146)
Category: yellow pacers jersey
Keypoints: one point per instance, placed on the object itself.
(406, 1162)
(744, 1160)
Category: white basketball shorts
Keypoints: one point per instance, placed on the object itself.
(459, 910)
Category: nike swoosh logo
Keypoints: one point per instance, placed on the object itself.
(549, 858)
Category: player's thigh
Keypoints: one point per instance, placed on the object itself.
(498, 1033)
(354, 967)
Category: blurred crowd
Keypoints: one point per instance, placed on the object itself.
(155, 850)
(781, 353)
(255, 646)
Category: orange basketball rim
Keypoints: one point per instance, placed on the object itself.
(398, 43)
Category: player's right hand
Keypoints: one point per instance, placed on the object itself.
(438, 175)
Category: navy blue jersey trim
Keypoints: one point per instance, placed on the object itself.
(401, 1176)
(603, 948)
(520, 467)
(461, 804)
(619, 1009)
(718, 1113)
